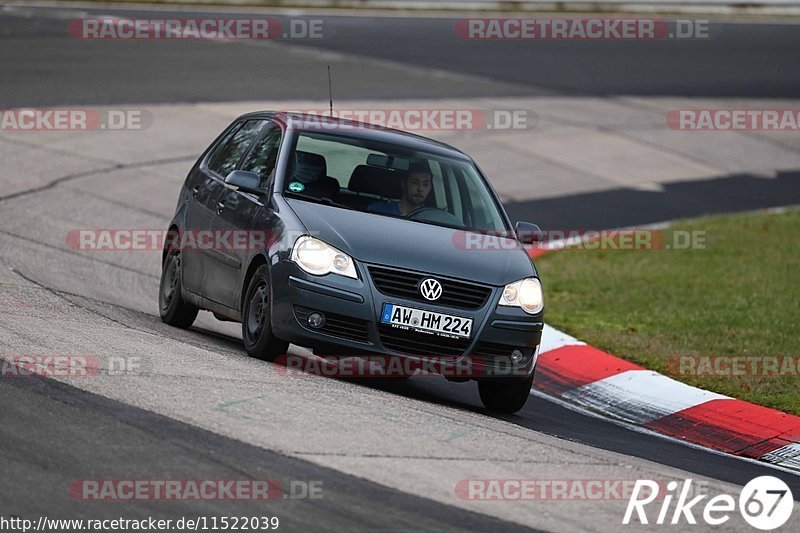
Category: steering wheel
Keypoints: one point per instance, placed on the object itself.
(434, 214)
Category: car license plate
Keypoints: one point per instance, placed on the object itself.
(417, 319)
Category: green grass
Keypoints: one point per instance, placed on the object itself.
(738, 296)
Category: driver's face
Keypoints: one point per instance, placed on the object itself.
(417, 188)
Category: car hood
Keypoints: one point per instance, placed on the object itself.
(413, 245)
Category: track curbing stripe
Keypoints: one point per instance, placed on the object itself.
(640, 396)
(575, 372)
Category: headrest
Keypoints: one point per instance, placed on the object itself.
(309, 167)
(376, 180)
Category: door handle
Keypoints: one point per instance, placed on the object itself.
(194, 192)
(220, 207)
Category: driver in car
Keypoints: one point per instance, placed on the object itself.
(416, 188)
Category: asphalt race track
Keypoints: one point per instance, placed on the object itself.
(741, 60)
(386, 454)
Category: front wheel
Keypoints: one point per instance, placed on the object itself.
(174, 310)
(259, 341)
(505, 396)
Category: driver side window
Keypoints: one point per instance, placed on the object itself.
(264, 156)
(226, 157)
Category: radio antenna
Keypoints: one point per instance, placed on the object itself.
(330, 89)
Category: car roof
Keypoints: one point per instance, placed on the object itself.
(310, 122)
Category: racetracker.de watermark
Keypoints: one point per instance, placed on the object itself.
(70, 119)
(631, 239)
(211, 28)
(194, 489)
(51, 366)
(581, 29)
(385, 366)
(416, 119)
(144, 239)
(69, 366)
(734, 366)
(734, 119)
(553, 489)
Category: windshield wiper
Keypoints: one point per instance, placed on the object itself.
(316, 199)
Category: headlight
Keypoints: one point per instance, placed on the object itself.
(320, 258)
(525, 293)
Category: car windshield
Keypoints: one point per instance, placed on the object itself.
(390, 180)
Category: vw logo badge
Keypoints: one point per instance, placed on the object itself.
(430, 289)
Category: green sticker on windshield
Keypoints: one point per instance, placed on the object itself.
(296, 186)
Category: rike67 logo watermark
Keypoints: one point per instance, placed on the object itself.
(766, 503)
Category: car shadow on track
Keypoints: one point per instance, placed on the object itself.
(429, 388)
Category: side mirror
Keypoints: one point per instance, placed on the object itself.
(245, 181)
(528, 233)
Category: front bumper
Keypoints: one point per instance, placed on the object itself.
(352, 327)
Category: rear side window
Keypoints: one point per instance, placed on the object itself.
(231, 149)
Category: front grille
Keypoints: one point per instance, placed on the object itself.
(337, 325)
(415, 343)
(404, 284)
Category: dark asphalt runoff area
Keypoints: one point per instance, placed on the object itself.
(736, 60)
(53, 433)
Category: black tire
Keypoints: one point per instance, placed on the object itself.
(259, 341)
(174, 310)
(505, 396)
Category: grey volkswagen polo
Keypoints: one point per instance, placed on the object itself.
(375, 241)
